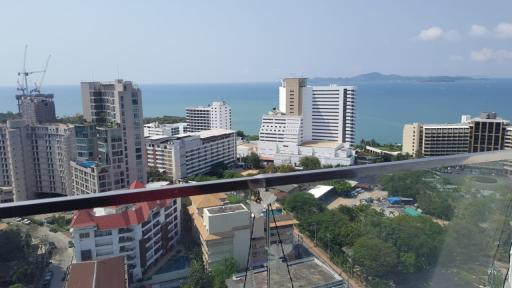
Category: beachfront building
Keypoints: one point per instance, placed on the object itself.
(217, 115)
(191, 153)
(478, 134)
(141, 232)
(156, 129)
(118, 104)
(328, 111)
(34, 159)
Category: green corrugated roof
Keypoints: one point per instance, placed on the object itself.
(412, 212)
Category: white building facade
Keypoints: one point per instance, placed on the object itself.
(217, 115)
(156, 129)
(192, 153)
(142, 232)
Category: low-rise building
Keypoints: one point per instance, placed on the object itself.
(141, 232)
(105, 273)
(157, 129)
(191, 154)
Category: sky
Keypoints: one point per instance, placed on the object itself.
(251, 41)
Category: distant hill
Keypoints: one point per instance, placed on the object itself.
(378, 77)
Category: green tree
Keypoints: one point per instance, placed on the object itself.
(201, 178)
(73, 119)
(340, 185)
(223, 271)
(17, 285)
(166, 119)
(376, 257)
(310, 163)
(240, 133)
(252, 160)
(8, 116)
(217, 169)
(154, 175)
(302, 204)
(228, 174)
(199, 276)
(13, 245)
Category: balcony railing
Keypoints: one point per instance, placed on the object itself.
(69, 203)
(393, 227)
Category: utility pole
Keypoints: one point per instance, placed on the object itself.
(315, 234)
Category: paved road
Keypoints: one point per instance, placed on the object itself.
(62, 256)
(324, 257)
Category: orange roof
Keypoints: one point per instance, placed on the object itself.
(208, 200)
(283, 223)
(106, 273)
(136, 185)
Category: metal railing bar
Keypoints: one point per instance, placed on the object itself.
(69, 203)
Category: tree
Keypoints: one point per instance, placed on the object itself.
(240, 133)
(201, 178)
(17, 285)
(302, 204)
(223, 271)
(228, 174)
(252, 160)
(217, 169)
(310, 163)
(340, 185)
(74, 119)
(165, 119)
(8, 116)
(376, 257)
(199, 276)
(13, 245)
(154, 175)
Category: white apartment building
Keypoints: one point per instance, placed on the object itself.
(156, 129)
(328, 111)
(217, 115)
(119, 104)
(279, 127)
(191, 153)
(36, 158)
(142, 232)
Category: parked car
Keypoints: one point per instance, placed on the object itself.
(26, 221)
(17, 219)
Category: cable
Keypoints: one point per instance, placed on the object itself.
(249, 252)
(281, 242)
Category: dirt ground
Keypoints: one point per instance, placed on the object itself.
(375, 194)
(250, 172)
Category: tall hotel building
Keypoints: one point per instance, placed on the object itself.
(478, 134)
(328, 111)
(118, 106)
(312, 121)
(34, 159)
(215, 116)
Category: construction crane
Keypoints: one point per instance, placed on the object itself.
(23, 76)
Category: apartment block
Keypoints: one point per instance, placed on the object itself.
(217, 115)
(279, 127)
(118, 104)
(224, 230)
(191, 153)
(37, 108)
(36, 158)
(108, 171)
(141, 232)
(156, 129)
(473, 134)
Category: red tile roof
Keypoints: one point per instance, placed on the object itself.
(137, 214)
(136, 185)
(104, 273)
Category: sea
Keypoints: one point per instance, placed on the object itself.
(382, 108)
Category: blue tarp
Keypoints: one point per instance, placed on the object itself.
(394, 200)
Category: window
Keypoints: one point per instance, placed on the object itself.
(86, 255)
(84, 235)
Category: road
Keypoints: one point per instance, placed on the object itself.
(324, 257)
(62, 256)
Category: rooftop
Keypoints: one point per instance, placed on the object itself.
(106, 273)
(321, 144)
(207, 133)
(308, 272)
(226, 209)
(319, 190)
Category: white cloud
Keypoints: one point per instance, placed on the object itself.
(486, 54)
(431, 34)
(477, 30)
(503, 30)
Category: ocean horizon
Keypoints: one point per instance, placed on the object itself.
(382, 108)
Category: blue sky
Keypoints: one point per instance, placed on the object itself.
(246, 41)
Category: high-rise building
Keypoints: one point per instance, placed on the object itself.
(37, 108)
(328, 111)
(141, 232)
(37, 158)
(191, 153)
(479, 134)
(118, 104)
(217, 115)
(157, 129)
